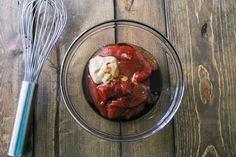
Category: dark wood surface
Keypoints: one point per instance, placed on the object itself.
(204, 35)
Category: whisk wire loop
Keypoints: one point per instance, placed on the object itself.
(42, 22)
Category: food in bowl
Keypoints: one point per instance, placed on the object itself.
(119, 81)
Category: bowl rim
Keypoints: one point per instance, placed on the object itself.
(156, 128)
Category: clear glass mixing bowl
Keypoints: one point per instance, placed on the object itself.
(131, 32)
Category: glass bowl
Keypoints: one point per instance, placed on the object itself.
(121, 31)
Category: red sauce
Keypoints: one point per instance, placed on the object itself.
(123, 100)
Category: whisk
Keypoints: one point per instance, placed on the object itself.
(41, 24)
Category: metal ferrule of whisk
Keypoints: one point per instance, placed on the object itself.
(41, 24)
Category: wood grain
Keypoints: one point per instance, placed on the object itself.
(205, 40)
(46, 109)
(11, 72)
(151, 13)
(73, 140)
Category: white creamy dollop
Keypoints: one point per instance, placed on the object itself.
(103, 69)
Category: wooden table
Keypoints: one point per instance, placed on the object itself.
(204, 35)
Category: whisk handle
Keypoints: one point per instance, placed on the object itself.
(22, 119)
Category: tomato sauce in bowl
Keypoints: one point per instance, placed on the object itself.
(133, 92)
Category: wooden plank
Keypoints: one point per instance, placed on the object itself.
(73, 140)
(205, 40)
(11, 72)
(46, 108)
(151, 13)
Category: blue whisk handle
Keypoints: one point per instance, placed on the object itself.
(22, 119)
